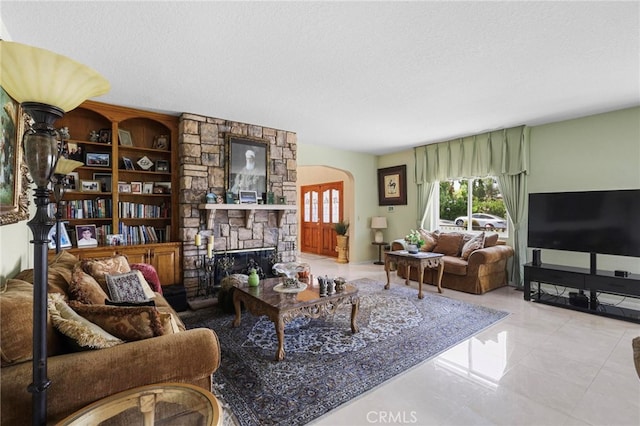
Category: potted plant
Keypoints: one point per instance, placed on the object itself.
(342, 241)
(414, 241)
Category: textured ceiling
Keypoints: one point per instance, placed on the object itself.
(373, 77)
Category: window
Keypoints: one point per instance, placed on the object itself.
(484, 203)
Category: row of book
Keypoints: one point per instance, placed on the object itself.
(127, 209)
(143, 234)
(83, 209)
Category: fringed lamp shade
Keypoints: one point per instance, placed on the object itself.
(31, 74)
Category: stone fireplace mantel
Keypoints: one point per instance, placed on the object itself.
(249, 211)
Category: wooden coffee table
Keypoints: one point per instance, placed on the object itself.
(281, 308)
(421, 260)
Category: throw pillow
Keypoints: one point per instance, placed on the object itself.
(491, 240)
(150, 275)
(100, 268)
(84, 288)
(449, 243)
(169, 323)
(126, 323)
(126, 287)
(430, 239)
(16, 322)
(83, 333)
(475, 243)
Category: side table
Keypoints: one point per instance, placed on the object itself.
(172, 403)
(422, 260)
(380, 246)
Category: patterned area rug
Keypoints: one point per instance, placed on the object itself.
(325, 364)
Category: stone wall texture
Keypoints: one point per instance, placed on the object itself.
(202, 168)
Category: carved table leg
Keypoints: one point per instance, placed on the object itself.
(354, 312)
(387, 266)
(420, 277)
(279, 324)
(236, 306)
(440, 272)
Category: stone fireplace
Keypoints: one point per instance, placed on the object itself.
(202, 159)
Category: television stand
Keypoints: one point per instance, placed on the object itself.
(587, 282)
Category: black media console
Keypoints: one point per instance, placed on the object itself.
(587, 283)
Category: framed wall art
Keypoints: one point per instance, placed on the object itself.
(14, 178)
(247, 164)
(392, 186)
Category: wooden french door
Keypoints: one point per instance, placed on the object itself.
(321, 208)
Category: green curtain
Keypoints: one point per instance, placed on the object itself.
(501, 153)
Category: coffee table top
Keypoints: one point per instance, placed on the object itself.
(309, 296)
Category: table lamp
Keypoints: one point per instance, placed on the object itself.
(378, 223)
(46, 85)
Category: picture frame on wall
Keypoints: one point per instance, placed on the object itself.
(247, 162)
(392, 186)
(14, 199)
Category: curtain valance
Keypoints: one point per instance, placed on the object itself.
(500, 152)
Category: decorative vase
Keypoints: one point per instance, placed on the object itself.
(412, 248)
(342, 248)
(254, 279)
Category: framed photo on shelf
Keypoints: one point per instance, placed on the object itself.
(248, 197)
(392, 186)
(124, 188)
(136, 187)
(145, 163)
(162, 188)
(71, 181)
(124, 137)
(161, 142)
(97, 159)
(14, 196)
(115, 239)
(65, 241)
(104, 136)
(90, 186)
(86, 236)
(105, 181)
(128, 164)
(147, 188)
(246, 164)
(162, 166)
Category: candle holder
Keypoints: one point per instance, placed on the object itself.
(206, 275)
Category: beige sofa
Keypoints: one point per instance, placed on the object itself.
(80, 377)
(482, 270)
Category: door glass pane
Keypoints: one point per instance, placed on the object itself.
(307, 207)
(314, 206)
(335, 211)
(326, 207)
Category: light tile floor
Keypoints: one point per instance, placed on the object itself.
(541, 365)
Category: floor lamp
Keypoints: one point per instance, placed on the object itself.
(46, 85)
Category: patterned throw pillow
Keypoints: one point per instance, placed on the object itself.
(84, 288)
(449, 243)
(100, 268)
(475, 243)
(430, 239)
(82, 332)
(126, 323)
(128, 287)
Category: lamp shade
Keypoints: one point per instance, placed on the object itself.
(31, 74)
(66, 166)
(378, 222)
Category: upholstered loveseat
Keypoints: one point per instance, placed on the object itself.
(473, 263)
(153, 347)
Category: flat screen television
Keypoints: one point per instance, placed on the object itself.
(601, 222)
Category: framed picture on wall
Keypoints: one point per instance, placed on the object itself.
(247, 163)
(392, 186)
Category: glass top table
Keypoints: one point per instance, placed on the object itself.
(283, 306)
